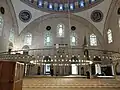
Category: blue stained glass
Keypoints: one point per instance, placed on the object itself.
(72, 6)
(50, 6)
(61, 7)
(82, 3)
(40, 3)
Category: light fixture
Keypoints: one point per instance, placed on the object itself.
(31, 62)
(66, 55)
(55, 60)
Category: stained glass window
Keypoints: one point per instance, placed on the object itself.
(56, 6)
(1, 25)
(93, 40)
(45, 4)
(109, 33)
(81, 3)
(60, 30)
(73, 39)
(40, 3)
(48, 38)
(60, 7)
(11, 37)
(66, 6)
(71, 6)
(28, 39)
(50, 6)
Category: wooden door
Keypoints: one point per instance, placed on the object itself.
(7, 70)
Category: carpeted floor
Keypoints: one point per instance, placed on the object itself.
(70, 84)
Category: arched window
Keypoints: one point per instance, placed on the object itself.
(48, 39)
(1, 25)
(60, 30)
(56, 6)
(11, 37)
(73, 39)
(93, 40)
(28, 39)
(109, 34)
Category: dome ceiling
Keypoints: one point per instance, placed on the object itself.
(61, 5)
(61, 1)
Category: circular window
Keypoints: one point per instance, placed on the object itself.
(97, 16)
(48, 28)
(25, 16)
(73, 28)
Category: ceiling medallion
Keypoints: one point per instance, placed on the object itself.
(73, 28)
(48, 28)
(25, 16)
(97, 16)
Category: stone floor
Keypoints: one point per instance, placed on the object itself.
(70, 84)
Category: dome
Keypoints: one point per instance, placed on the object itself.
(61, 5)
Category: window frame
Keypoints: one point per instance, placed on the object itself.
(63, 30)
(109, 36)
(46, 35)
(28, 39)
(73, 34)
(93, 37)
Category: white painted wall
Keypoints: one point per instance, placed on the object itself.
(38, 28)
(19, 6)
(8, 24)
(104, 7)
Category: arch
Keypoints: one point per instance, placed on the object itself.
(14, 17)
(85, 22)
(26, 47)
(10, 46)
(46, 58)
(74, 58)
